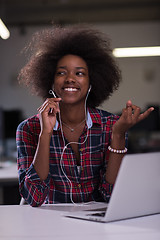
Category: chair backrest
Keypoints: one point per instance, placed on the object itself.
(22, 202)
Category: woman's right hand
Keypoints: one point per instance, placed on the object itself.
(47, 113)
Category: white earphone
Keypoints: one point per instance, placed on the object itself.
(52, 92)
(89, 88)
(66, 145)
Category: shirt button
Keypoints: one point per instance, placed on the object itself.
(79, 185)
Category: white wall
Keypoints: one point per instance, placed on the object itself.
(141, 76)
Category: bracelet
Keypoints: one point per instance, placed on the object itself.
(117, 151)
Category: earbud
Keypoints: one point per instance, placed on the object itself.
(89, 88)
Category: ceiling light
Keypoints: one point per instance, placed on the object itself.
(136, 52)
(4, 33)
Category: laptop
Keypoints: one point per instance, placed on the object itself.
(136, 192)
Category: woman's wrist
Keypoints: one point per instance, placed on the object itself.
(118, 137)
(44, 134)
(119, 132)
(44, 138)
(117, 141)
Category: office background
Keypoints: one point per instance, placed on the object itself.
(127, 23)
(141, 76)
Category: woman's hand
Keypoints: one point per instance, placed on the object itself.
(47, 112)
(130, 116)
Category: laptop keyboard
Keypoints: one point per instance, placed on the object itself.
(98, 214)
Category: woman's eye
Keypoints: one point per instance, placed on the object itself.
(79, 73)
(60, 73)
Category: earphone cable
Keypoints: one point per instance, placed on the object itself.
(66, 145)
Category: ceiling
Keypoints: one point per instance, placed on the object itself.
(38, 12)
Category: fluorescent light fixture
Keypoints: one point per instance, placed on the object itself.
(136, 52)
(4, 33)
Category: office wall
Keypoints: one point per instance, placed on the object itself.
(141, 76)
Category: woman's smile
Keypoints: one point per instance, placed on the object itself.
(71, 89)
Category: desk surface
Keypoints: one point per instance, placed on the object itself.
(47, 222)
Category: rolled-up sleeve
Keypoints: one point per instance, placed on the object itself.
(105, 189)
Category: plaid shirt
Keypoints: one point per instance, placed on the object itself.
(88, 184)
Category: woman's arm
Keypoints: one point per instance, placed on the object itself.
(114, 162)
(130, 116)
(31, 188)
(47, 121)
(33, 155)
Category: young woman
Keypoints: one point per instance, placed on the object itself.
(71, 151)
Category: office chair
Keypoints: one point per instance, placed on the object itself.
(22, 202)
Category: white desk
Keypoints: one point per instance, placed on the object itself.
(47, 223)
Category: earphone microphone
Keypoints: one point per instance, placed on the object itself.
(54, 95)
(52, 92)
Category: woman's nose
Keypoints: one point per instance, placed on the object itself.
(70, 77)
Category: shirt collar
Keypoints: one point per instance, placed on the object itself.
(89, 120)
(95, 116)
(56, 125)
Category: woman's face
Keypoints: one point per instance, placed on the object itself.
(71, 81)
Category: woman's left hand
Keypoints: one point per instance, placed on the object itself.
(131, 115)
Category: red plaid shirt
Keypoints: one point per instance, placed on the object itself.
(88, 184)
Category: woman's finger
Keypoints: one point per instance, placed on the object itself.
(135, 113)
(129, 111)
(144, 115)
(50, 104)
